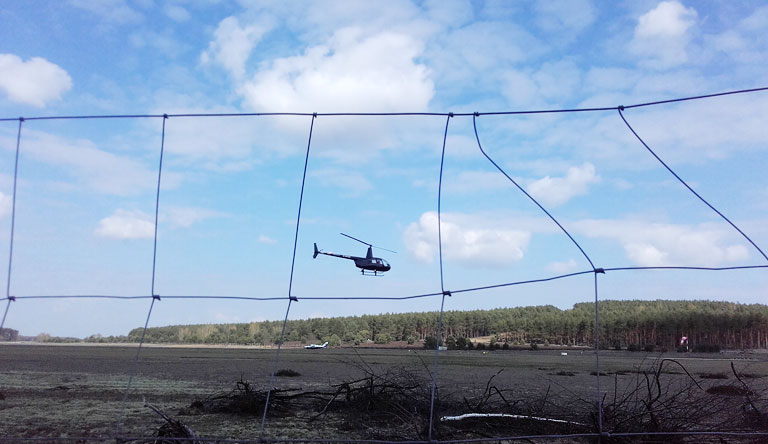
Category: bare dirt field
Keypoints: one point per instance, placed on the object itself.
(78, 391)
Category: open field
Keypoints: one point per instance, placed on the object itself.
(53, 391)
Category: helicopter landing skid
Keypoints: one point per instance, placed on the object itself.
(368, 273)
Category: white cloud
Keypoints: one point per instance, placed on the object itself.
(93, 167)
(565, 16)
(164, 42)
(520, 88)
(351, 72)
(221, 144)
(6, 204)
(454, 13)
(553, 82)
(568, 266)
(354, 184)
(123, 224)
(467, 182)
(650, 244)
(553, 191)
(264, 239)
(746, 41)
(602, 79)
(34, 82)
(177, 13)
(232, 45)
(465, 240)
(457, 62)
(701, 132)
(662, 34)
(111, 11)
(667, 19)
(183, 217)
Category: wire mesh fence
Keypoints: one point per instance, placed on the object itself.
(607, 423)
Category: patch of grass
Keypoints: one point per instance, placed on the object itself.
(750, 375)
(713, 376)
(563, 373)
(728, 390)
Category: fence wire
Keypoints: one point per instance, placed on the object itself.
(434, 375)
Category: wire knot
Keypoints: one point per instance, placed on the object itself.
(476, 114)
(450, 114)
(447, 293)
(314, 115)
(293, 298)
(21, 119)
(12, 298)
(621, 107)
(165, 116)
(155, 297)
(599, 270)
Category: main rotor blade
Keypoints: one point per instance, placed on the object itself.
(366, 243)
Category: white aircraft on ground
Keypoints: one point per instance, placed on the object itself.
(315, 346)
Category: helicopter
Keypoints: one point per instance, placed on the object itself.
(367, 264)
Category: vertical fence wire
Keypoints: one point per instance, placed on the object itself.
(135, 363)
(436, 363)
(599, 401)
(584, 253)
(291, 298)
(13, 223)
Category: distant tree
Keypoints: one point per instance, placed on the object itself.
(430, 342)
(363, 335)
(334, 340)
(383, 338)
(8, 334)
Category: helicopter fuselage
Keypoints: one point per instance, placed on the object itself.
(368, 263)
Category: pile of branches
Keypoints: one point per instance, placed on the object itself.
(172, 431)
(394, 404)
(497, 411)
(243, 399)
(655, 404)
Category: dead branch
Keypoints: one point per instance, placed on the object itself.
(172, 428)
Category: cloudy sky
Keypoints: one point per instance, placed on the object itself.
(230, 186)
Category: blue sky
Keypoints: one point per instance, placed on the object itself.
(230, 186)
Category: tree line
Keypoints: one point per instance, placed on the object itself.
(623, 324)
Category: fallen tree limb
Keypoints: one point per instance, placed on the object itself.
(510, 416)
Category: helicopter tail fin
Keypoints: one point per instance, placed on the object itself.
(314, 256)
